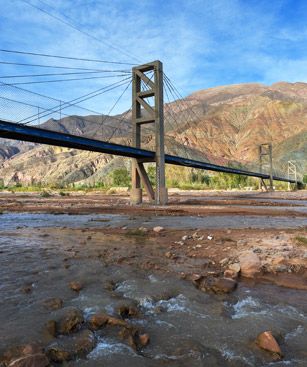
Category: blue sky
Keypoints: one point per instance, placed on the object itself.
(202, 43)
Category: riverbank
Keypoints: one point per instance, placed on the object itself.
(191, 277)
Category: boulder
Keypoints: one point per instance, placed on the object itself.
(217, 285)
(250, 264)
(267, 342)
(117, 322)
(68, 319)
(29, 355)
(70, 347)
(126, 311)
(98, 320)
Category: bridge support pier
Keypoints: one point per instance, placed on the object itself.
(266, 160)
(292, 174)
(147, 108)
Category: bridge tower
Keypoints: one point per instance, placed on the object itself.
(292, 174)
(147, 108)
(266, 160)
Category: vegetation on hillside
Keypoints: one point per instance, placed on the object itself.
(176, 177)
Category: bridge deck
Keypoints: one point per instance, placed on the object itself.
(10, 130)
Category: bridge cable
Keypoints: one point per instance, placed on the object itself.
(59, 74)
(59, 67)
(67, 80)
(76, 28)
(79, 99)
(65, 57)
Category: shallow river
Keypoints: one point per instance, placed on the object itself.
(186, 326)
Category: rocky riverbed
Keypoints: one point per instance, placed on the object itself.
(193, 284)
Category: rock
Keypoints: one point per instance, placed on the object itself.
(75, 286)
(158, 229)
(27, 289)
(168, 254)
(35, 360)
(230, 274)
(98, 320)
(69, 347)
(281, 268)
(130, 336)
(144, 339)
(117, 322)
(224, 261)
(53, 303)
(267, 342)
(195, 235)
(29, 355)
(224, 285)
(250, 264)
(68, 320)
(232, 271)
(143, 229)
(278, 260)
(210, 237)
(184, 238)
(217, 285)
(126, 311)
(181, 243)
(235, 267)
(50, 327)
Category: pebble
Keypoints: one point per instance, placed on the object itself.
(158, 229)
(267, 342)
(75, 286)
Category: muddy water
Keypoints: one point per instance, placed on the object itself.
(30, 220)
(186, 327)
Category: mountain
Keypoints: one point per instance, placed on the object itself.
(222, 125)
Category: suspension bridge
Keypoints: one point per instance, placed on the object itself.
(150, 131)
(148, 84)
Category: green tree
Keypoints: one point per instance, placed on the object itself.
(121, 177)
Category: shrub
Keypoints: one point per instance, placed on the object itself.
(121, 177)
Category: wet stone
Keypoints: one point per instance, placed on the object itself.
(53, 303)
(98, 320)
(75, 286)
(29, 355)
(218, 285)
(144, 339)
(126, 311)
(35, 360)
(267, 342)
(50, 328)
(69, 347)
(68, 319)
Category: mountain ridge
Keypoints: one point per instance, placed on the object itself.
(227, 123)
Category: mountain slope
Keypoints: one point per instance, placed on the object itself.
(220, 125)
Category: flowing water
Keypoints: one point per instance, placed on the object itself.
(186, 326)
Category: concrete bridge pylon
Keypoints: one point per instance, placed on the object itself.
(147, 108)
